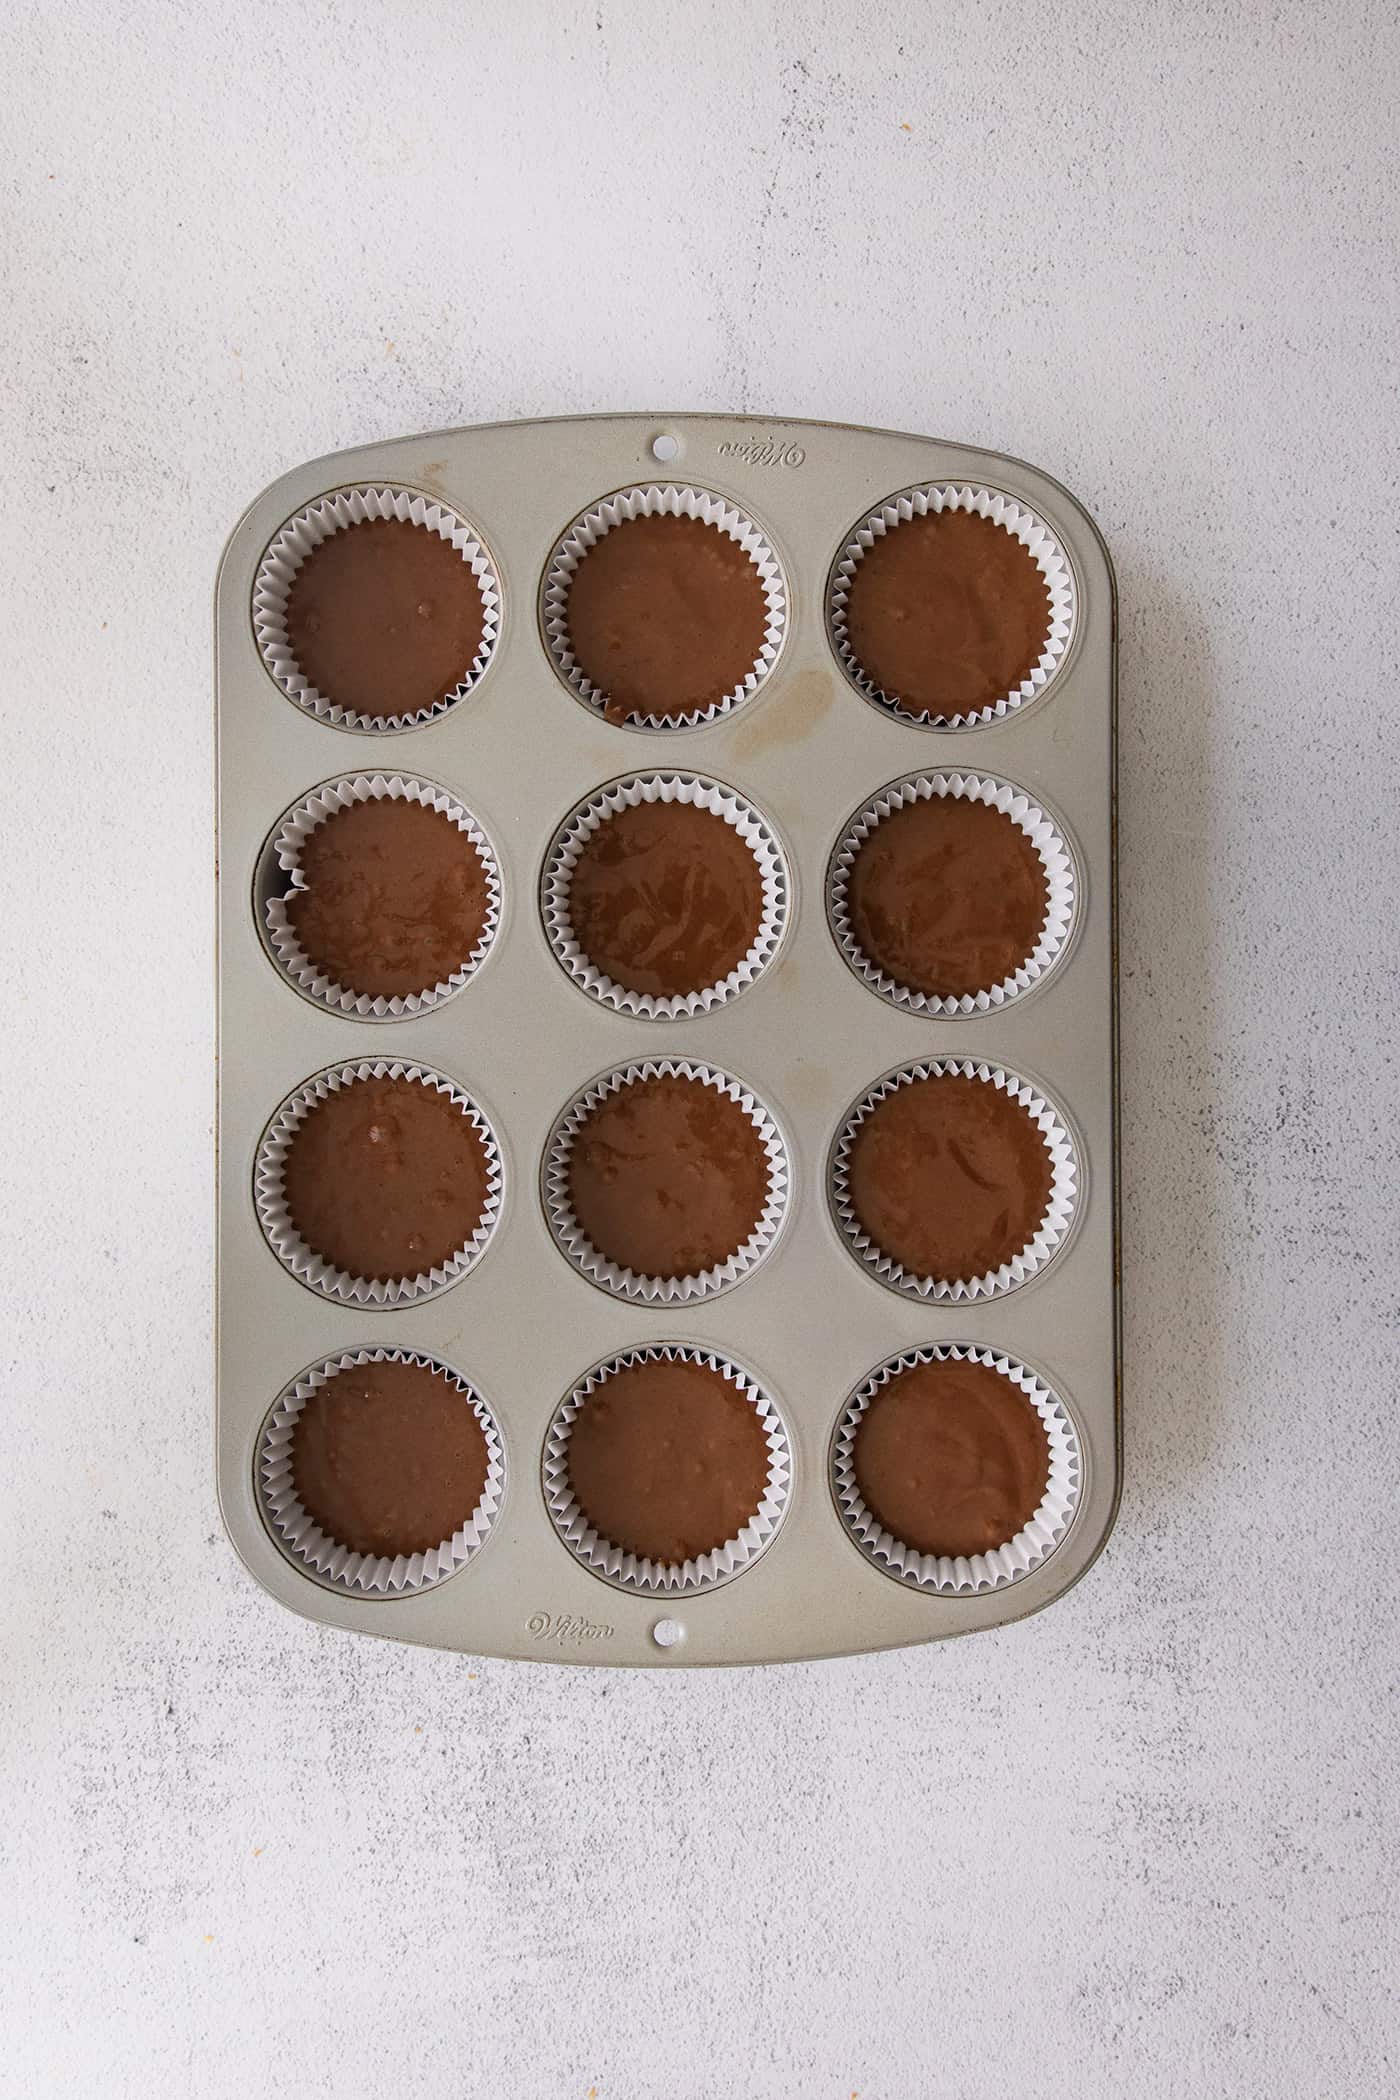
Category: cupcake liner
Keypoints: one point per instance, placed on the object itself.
(1033, 533)
(578, 1249)
(303, 1540)
(671, 500)
(589, 816)
(631, 1571)
(311, 1268)
(331, 514)
(1059, 1212)
(1044, 835)
(287, 843)
(943, 1573)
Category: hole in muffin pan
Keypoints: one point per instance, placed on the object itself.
(993, 1445)
(666, 1182)
(386, 1424)
(667, 1470)
(958, 554)
(361, 654)
(665, 895)
(664, 607)
(456, 857)
(952, 1180)
(902, 901)
(570, 920)
(379, 1184)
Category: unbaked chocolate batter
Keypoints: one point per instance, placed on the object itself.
(947, 897)
(668, 1177)
(948, 613)
(389, 1458)
(386, 1178)
(665, 615)
(952, 1458)
(385, 618)
(949, 1176)
(396, 898)
(668, 1460)
(665, 899)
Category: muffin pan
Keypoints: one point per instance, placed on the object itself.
(802, 753)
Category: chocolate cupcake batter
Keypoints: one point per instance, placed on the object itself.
(665, 615)
(389, 1458)
(668, 1460)
(668, 1177)
(951, 1457)
(950, 1177)
(665, 899)
(385, 618)
(396, 898)
(947, 897)
(948, 613)
(386, 1178)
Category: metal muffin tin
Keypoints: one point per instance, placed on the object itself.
(808, 1037)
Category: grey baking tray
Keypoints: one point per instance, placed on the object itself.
(808, 1037)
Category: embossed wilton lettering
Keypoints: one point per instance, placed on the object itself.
(762, 452)
(564, 1627)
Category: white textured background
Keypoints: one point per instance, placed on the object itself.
(1142, 1844)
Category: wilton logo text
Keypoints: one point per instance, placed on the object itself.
(762, 452)
(564, 1627)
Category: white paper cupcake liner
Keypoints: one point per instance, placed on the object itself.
(1059, 1210)
(1055, 858)
(287, 843)
(303, 1261)
(302, 1539)
(333, 513)
(631, 1571)
(671, 500)
(575, 1244)
(943, 1573)
(589, 817)
(1033, 533)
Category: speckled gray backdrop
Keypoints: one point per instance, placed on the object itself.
(1144, 1843)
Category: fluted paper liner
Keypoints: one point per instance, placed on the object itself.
(574, 1243)
(1055, 858)
(303, 1540)
(303, 1261)
(670, 500)
(1059, 1210)
(963, 1575)
(631, 1571)
(589, 817)
(289, 839)
(317, 522)
(1033, 533)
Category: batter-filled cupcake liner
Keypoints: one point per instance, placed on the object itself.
(632, 1571)
(589, 817)
(1033, 533)
(303, 1261)
(962, 1575)
(574, 1243)
(288, 843)
(317, 522)
(1060, 1207)
(301, 1537)
(661, 500)
(1056, 860)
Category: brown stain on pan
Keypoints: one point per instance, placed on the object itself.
(788, 716)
